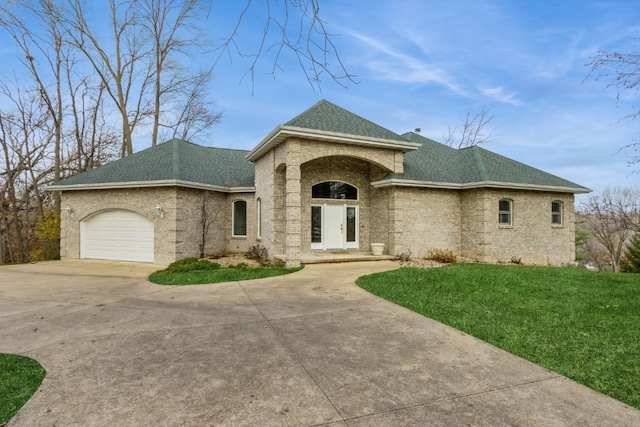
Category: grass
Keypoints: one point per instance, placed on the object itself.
(232, 274)
(20, 377)
(580, 324)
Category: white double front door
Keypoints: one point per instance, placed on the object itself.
(334, 226)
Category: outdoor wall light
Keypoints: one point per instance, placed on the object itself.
(69, 211)
(159, 212)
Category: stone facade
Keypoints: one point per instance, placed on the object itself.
(531, 237)
(405, 219)
(178, 234)
(430, 220)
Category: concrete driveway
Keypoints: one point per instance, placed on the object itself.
(308, 349)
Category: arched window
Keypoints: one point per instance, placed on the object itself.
(505, 212)
(334, 190)
(556, 212)
(239, 218)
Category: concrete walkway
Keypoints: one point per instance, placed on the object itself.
(308, 349)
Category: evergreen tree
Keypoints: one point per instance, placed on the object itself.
(631, 262)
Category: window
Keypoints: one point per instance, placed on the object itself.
(316, 224)
(351, 224)
(240, 218)
(504, 211)
(259, 216)
(334, 190)
(556, 212)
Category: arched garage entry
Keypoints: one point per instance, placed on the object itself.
(117, 235)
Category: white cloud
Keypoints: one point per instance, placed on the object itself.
(498, 94)
(390, 64)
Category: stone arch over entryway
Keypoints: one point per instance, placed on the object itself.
(354, 171)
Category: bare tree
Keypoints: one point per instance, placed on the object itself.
(120, 61)
(612, 217)
(49, 46)
(94, 138)
(292, 27)
(24, 150)
(473, 130)
(168, 22)
(621, 71)
(195, 113)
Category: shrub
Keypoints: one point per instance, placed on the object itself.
(241, 266)
(631, 261)
(46, 237)
(404, 255)
(192, 264)
(516, 260)
(441, 255)
(258, 253)
(276, 263)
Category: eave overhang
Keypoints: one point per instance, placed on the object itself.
(282, 133)
(148, 184)
(479, 184)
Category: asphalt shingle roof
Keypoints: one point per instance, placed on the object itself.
(174, 160)
(438, 163)
(328, 117)
(432, 163)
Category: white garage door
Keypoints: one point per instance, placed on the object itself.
(117, 235)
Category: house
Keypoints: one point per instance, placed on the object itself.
(326, 180)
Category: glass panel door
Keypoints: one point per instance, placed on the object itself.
(334, 227)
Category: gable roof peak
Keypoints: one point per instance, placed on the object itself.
(327, 116)
(325, 121)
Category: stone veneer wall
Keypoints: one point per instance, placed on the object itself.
(140, 200)
(265, 169)
(379, 216)
(286, 205)
(178, 234)
(219, 236)
(531, 237)
(430, 220)
(241, 244)
(355, 172)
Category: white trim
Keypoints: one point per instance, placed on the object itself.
(281, 133)
(146, 184)
(479, 184)
(561, 213)
(233, 218)
(259, 217)
(507, 212)
(345, 244)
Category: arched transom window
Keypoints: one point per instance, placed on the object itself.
(334, 190)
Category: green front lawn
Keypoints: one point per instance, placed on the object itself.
(580, 324)
(233, 274)
(20, 377)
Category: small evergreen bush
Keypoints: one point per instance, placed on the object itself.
(631, 261)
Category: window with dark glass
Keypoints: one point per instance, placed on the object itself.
(334, 190)
(504, 212)
(239, 218)
(316, 224)
(259, 215)
(351, 224)
(556, 213)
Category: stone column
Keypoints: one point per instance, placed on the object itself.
(293, 206)
(395, 222)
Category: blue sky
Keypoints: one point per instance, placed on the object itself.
(426, 63)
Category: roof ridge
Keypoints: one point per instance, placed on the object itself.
(482, 170)
(322, 101)
(175, 158)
